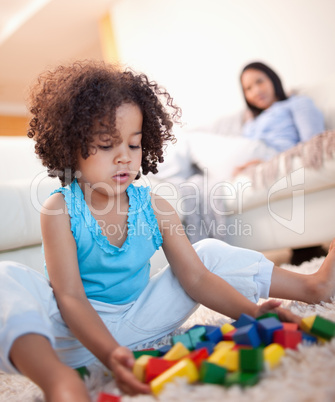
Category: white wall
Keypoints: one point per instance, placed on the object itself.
(196, 48)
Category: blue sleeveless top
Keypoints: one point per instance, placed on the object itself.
(111, 274)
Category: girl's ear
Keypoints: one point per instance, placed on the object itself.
(138, 176)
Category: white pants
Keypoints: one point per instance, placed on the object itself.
(28, 305)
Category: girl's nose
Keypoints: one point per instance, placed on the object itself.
(123, 155)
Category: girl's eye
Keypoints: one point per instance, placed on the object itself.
(105, 147)
(134, 146)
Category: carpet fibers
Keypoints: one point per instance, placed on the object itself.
(304, 375)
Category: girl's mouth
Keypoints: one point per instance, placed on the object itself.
(121, 177)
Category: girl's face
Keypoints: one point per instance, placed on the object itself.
(115, 163)
(258, 89)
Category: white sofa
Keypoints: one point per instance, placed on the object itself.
(284, 202)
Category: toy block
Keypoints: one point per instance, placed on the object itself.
(307, 323)
(184, 339)
(231, 360)
(103, 397)
(198, 356)
(227, 328)
(273, 354)
(243, 379)
(213, 334)
(323, 327)
(267, 315)
(225, 344)
(197, 334)
(251, 360)
(244, 320)
(157, 366)
(140, 366)
(177, 352)
(184, 368)
(164, 349)
(247, 335)
(290, 326)
(309, 338)
(228, 336)
(212, 373)
(218, 356)
(147, 352)
(288, 339)
(206, 344)
(266, 328)
(83, 372)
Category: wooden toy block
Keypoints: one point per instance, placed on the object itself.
(184, 339)
(273, 354)
(206, 344)
(83, 372)
(288, 339)
(227, 328)
(184, 368)
(244, 320)
(228, 336)
(225, 344)
(267, 315)
(212, 373)
(198, 356)
(307, 323)
(290, 326)
(243, 379)
(104, 397)
(177, 352)
(309, 338)
(147, 352)
(323, 327)
(157, 366)
(247, 335)
(231, 360)
(197, 334)
(213, 334)
(218, 356)
(266, 328)
(140, 366)
(164, 349)
(251, 360)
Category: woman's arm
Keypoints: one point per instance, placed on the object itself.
(84, 322)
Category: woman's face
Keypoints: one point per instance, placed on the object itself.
(258, 89)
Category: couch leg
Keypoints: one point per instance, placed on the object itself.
(299, 255)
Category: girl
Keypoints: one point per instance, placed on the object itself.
(95, 128)
(278, 121)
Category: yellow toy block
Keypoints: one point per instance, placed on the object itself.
(140, 367)
(231, 361)
(225, 344)
(227, 328)
(218, 356)
(273, 354)
(184, 368)
(307, 323)
(177, 352)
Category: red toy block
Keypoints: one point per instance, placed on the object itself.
(290, 326)
(157, 366)
(103, 397)
(288, 339)
(198, 356)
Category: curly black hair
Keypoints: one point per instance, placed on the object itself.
(68, 102)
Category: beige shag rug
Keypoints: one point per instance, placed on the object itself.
(304, 375)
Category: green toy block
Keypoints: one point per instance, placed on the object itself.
(243, 379)
(185, 339)
(251, 360)
(83, 371)
(323, 327)
(197, 335)
(139, 353)
(267, 315)
(212, 373)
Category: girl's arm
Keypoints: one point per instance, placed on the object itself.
(199, 283)
(84, 322)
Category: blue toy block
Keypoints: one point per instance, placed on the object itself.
(213, 334)
(196, 334)
(266, 328)
(206, 344)
(308, 338)
(247, 335)
(164, 349)
(184, 339)
(243, 320)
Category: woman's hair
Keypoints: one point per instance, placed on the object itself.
(278, 87)
(69, 102)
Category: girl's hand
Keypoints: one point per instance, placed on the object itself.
(121, 363)
(284, 314)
